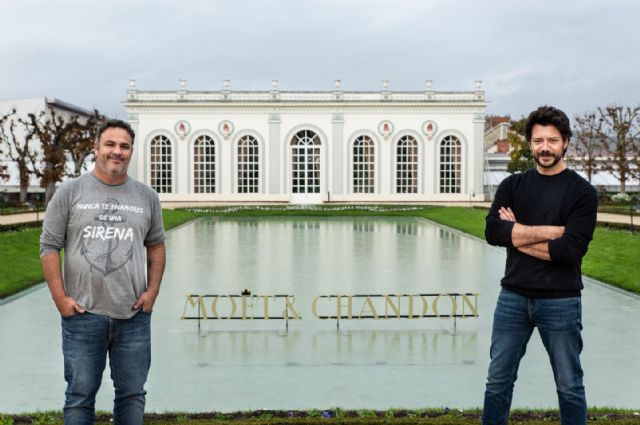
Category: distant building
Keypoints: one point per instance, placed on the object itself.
(309, 146)
(495, 134)
(498, 148)
(11, 188)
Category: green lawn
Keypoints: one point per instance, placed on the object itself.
(468, 220)
(612, 255)
(620, 209)
(19, 261)
(18, 210)
(343, 417)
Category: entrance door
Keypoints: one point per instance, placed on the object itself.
(305, 168)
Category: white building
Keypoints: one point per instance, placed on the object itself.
(309, 146)
(23, 108)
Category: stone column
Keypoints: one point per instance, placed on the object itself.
(224, 164)
(337, 145)
(475, 183)
(273, 156)
(137, 166)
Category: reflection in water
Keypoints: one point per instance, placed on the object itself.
(364, 226)
(330, 347)
(407, 228)
(306, 225)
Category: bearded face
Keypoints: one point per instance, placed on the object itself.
(547, 148)
(113, 154)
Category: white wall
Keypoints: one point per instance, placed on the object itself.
(336, 133)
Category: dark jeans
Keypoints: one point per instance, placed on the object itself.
(559, 322)
(86, 340)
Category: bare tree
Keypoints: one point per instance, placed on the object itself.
(51, 131)
(621, 144)
(4, 170)
(79, 142)
(60, 138)
(589, 140)
(19, 152)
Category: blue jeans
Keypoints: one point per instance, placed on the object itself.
(559, 322)
(86, 340)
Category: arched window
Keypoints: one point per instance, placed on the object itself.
(204, 165)
(160, 164)
(450, 165)
(248, 165)
(407, 165)
(363, 165)
(305, 162)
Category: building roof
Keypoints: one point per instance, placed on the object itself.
(276, 96)
(52, 102)
(32, 104)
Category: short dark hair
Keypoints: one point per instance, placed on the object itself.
(113, 123)
(548, 115)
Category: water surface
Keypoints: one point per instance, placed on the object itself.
(253, 364)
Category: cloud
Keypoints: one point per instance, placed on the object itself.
(578, 55)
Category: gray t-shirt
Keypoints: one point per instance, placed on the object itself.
(103, 230)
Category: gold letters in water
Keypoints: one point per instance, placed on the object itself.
(339, 307)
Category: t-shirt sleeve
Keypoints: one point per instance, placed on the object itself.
(54, 228)
(578, 230)
(155, 235)
(498, 231)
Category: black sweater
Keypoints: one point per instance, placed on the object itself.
(564, 199)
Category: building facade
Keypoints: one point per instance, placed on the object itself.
(309, 147)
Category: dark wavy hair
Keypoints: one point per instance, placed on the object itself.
(548, 115)
(113, 123)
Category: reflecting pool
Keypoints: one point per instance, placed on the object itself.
(252, 364)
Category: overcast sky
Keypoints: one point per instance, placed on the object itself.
(573, 54)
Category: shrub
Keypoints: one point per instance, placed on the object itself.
(621, 198)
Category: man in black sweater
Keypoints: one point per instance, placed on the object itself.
(545, 217)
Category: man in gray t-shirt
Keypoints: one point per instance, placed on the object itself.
(105, 222)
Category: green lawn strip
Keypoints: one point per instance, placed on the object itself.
(174, 218)
(15, 227)
(365, 421)
(19, 261)
(340, 416)
(468, 220)
(19, 210)
(619, 209)
(612, 256)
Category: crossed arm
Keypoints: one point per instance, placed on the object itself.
(531, 240)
